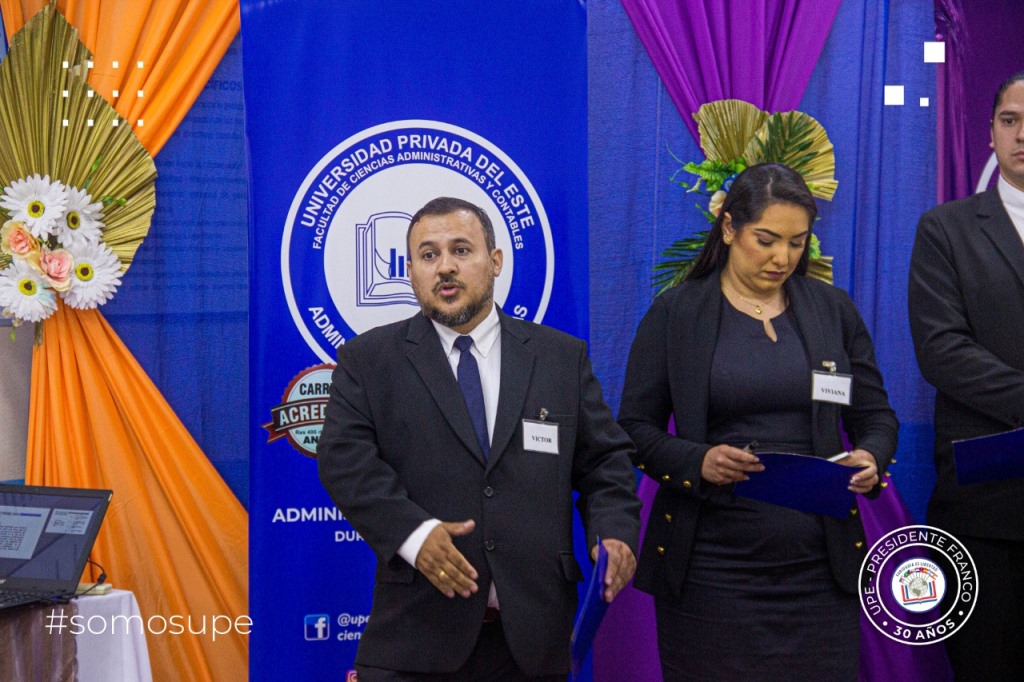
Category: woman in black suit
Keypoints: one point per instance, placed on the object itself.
(745, 589)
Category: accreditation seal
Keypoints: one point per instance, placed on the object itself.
(918, 585)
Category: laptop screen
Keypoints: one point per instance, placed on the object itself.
(46, 535)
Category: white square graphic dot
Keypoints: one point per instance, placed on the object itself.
(139, 123)
(89, 93)
(117, 93)
(923, 101)
(935, 53)
(115, 122)
(64, 64)
(140, 94)
(893, 96)
(64, 123)
(116, 65)
(63, 93)
(88, 64)
(140, 64)
(88, 122)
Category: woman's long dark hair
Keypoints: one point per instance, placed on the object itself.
(754, 190)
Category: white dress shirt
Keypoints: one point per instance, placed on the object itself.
(1013, 202)
(486, 349)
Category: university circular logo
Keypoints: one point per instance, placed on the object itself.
(343, 250)
(918, 585)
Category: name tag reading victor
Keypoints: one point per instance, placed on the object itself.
(540, 436)
(831, 387)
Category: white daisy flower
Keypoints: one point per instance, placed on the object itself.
(37, 202)
(82, 221)
(24, 294)
(97, 276)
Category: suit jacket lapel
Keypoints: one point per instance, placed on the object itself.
(693, 343)
(805, 310)
(427, 357)
(999, 228)
(517, 361)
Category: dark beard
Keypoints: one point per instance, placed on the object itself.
(465, 314)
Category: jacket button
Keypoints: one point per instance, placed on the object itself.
(853, 512)
(641, 466)
(888, 473)
(687, 484)
(668, 517)
(661, 550)
(884, 484)
(892, 461)
(666, 478)
(488, 491)
(858, 544)
(489, 545)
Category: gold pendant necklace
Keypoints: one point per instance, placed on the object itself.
(758, 307)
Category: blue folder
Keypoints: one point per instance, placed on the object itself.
(809, 484)
(592, 610)
(989, 458)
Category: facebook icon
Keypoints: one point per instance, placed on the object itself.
(318, 627)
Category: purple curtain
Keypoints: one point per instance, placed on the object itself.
(953, 171)
(761, 51)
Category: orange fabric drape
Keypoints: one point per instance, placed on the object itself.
(179, 42)
(175, 533)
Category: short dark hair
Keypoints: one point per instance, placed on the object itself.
(1015, 78)
(446, 205)
(754, 190)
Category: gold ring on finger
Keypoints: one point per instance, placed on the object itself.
(441, 574)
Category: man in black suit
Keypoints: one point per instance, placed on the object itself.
(452, 443)
(966, 299)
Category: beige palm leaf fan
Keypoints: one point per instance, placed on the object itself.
(52, 123)
(726, 126)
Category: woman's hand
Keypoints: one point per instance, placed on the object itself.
(865, 479)
(724, 464)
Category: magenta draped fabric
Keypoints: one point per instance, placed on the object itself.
(761, 51)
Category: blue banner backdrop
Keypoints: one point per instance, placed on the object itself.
(356, 115)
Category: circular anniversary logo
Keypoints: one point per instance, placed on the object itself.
(343, 251)
(918, 585)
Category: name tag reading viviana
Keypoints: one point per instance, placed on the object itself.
(540, 436)
(830, 387)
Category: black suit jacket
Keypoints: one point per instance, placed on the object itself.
(668, 374)
(966, 299)
(398, 448)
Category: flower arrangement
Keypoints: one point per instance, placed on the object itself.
(78, 187)
(52, 245)
(734, 135)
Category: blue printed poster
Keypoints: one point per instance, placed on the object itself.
(357, 114)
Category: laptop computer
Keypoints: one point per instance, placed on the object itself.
(46, 534)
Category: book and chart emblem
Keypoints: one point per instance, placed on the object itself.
(344, 266)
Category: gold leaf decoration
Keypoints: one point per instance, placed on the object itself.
(52, 123)
(725, 127)
(797, 140)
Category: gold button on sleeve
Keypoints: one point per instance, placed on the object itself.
(687, 484)
(666, 478)
(641, 466)
(858, 544)
(661, 550)
(668, 517)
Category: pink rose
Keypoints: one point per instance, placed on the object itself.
(15, 240)
(58, 266)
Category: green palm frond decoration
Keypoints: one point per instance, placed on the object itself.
(796, 140)
(678, 259)
(52, 123)
(734, 135)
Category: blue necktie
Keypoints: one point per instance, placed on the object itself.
(473, 391)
